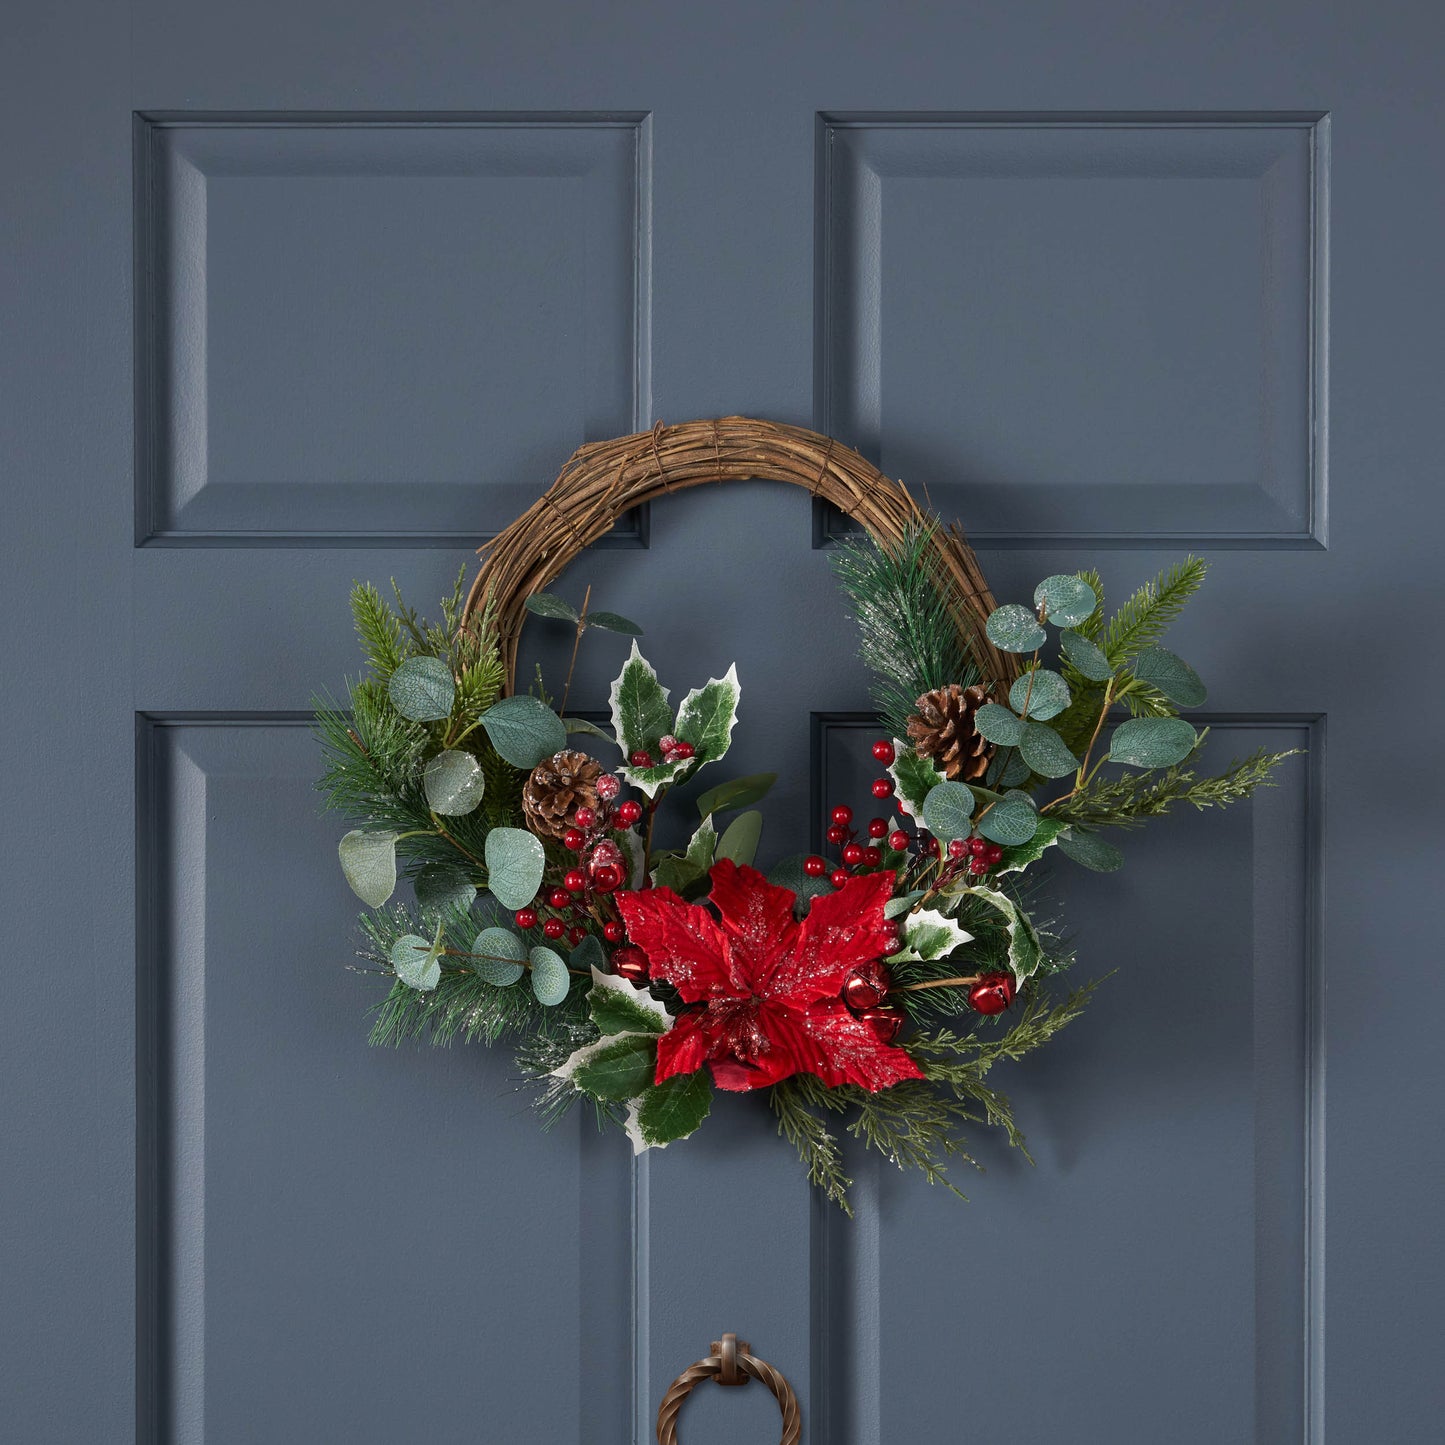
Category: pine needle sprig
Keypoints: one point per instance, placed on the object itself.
(910, 633)
(1146, 616)
(379, 629)
(816, 1144)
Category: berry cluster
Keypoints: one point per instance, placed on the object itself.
(669, 749)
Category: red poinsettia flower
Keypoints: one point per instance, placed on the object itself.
(768, 988)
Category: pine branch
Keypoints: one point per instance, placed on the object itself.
(1146, 616)
(953, 1055)
(817, 1146)
(379, 629)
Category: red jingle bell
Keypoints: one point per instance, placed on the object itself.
(992, 994)
(630, 963)
(865, 988)
(884, 1021)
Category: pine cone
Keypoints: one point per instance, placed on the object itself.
(942, 728)
(556, 788)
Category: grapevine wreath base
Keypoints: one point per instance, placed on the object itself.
(871, 988)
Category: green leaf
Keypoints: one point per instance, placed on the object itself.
(902, 903)
(1151, 742)
(998, 725)
(1067, 601)
(1091, 851)
(1008, 769)
(515, 863)
(612, 622)
(550, 979)
(1012, 822)
(1016, 859)
(581, 725)
(415, 961)
(929, 935)
(740, 838)
(422, 690)
(588, 955)
(618, 1008)
(1045, 752)
(708, 714)
(788, 873)
(702, 846)
(914, 778)
(1043, 694)
(369, 862)
(548, 604)
(618, 1068)
(948, 812)
(670, 1110)
(1025, 952)
(736, 793)
(680, 874)
(1086, 659)
(441, 886)
(1013, 628)
(454, 783)
(524, 730)
(640, 714)
(1171, 675)
(501, 956)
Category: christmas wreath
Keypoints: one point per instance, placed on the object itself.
(872, 987)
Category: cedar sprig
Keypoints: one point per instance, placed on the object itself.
(816, 1144)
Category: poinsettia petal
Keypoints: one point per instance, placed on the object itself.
(841, 931)
(757, 917)
(684, 946)
(684, 1048)
(735, 1077)
(850, 1052)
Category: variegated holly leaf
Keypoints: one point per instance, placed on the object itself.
(928, 935)
(649, 780)
(669, 1111)
(618, 1008)
(708, 715)
(702, 846)
(914, 778)
(1016, 859)
(615, 1068)
(1025, 952)
(640, 714)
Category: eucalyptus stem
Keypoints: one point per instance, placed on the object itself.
(576, 643)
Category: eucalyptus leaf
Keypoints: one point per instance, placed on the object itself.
(499, 957)
(612, 622)
(442, 886)
(914, 778)
(740, 838)
(1091, 851)
(524, 730)
(1066, 600)
(1014, 628)
(369, 862)
(422, 690)
(948, 812)
(454, 783)
(1087, 660)
(1011, 822)
(640, 714)
(998, 725)
(736, 793)
(707, 715)
(1015, 771)
(1152, 742)
(1046, 752)
(588, 955)
(550, 979)
(1171, 675)
(548, 604)
(1039, 693)
(515, 863)
(415, 961)
(668, 1111)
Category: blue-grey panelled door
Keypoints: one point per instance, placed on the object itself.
(298, 292)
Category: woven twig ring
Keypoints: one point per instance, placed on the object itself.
(730, 1363)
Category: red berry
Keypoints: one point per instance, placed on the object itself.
(584, 817)
(667, 742)
(853, 854)
(994, 855)
(872, 856)
(574, 838)
(558, 898)
(526, 918)
(877, 828)
(930, 847)
(977, 867)
(576, 934)
(683, 751)
(815, 867)
(641, 758)
(608, 787)
(837, 834)
(839, 878)
(898, 841)
(883, 751)
(978, 846)
(606, 877)
(629, 812)
(957, 847)
(553, 928)
(613, 931)
(882, 788)
(575, 881)
(842, 815)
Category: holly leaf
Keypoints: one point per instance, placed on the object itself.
(1025, 952)
(708, 715)
(640, 714)
(1011, 822)
(498, 956)
(1016, 859)
(619, 1067)
(682, 875)
(618, 1008)
(1039, 693)
(369, 862)
(416, 961)
(1066, 600)
(737, 793)
(612, 622)
(422, 690)
(669, 1111)
(550, 979)
(1014, 628)
(1171, 675)
(524, 730)
(914, 777)
(515, 863)
(649, 780)
(1091, 851)
(1152, 742)
(928, 935)
(548, 604)
(454, 783)
(740, 838)
(948, 811)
